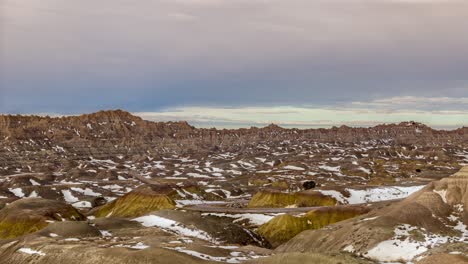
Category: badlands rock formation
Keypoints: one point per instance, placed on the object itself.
(112, 187)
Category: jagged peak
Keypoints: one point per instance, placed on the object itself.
(412, 123)
(182, 124)
(111, 115)
(404, 124)
(273, 127)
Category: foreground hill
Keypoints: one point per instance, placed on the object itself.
(430, 222)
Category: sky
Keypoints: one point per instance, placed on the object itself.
(239, 63)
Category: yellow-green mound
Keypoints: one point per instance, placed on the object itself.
(136, 203)
(29, 215)
(284, 227)
(272, 198)
(328, 215)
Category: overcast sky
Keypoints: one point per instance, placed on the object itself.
(231, 63)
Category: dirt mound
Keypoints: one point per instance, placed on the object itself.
(221, 229)
(421, 209)
(271, 198)
(301, 258)
(321, 217)
(88, 254)
(444, 259)
(425, 220)
(29, 215)
(333, 239)
(135, 203)
(114, 223)
(70, 229)
(284, 227)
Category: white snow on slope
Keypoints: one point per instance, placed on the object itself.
(373, 194)
(86, 191)
(291, 167)
(138, 245)
(31, 251)
(173, 227)
(329, 168)
(443, 194)
(197, 175)
(255, 219)
(402, 247)
(195, 202)
(234, 259)
(82, 204)
(34, 183)
(367, 171)
(381, 194)
(18, 192)
(245, 164)
(68, 196)
(33, 194)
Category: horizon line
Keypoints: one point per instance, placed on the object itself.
(220, 125)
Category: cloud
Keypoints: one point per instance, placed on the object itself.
(182, 16)
(361, 114)
(148, 55)
(435, 104)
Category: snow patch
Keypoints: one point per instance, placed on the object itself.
(373, 194)
(87, 191)
(291, 167)
(33, 194)
(31, 251)
(82, 204)
(255, 219)
(18, 192)
(173, 227)
(403, 247)
(443, 194)
(68, 196)
(329, 168)
(34, 183)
